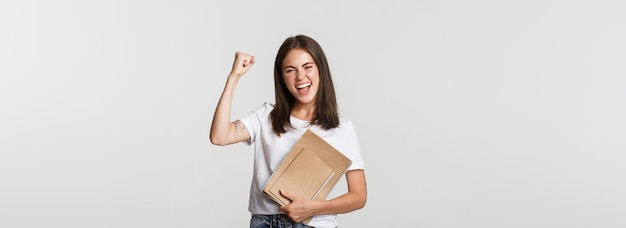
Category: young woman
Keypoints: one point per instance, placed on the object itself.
(305, 99)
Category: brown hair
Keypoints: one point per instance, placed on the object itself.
(326, 111)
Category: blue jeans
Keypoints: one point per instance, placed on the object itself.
(274, 221)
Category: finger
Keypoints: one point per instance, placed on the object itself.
(292, 216)
(241, 55)
(285, 194)
(249, 62)
(245, 59)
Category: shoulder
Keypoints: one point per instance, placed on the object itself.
(260, 113)
(264, 109)
(345, 123)
(267, 106)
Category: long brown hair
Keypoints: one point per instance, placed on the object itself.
(326, 111)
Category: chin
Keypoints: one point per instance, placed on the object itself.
(307, 100)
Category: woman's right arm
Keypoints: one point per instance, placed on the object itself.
(223, 131)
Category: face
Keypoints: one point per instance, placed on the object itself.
(301, 76)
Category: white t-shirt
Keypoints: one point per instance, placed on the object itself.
(270, 149)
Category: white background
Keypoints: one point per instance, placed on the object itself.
(469, 113)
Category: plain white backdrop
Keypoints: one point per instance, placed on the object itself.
(470, 113)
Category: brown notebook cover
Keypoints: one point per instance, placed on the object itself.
(311, 169)
(306, 175)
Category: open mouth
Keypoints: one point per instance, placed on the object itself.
(303, 88)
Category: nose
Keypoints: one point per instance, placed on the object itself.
(300, 75)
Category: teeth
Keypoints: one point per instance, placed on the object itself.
(303, 85)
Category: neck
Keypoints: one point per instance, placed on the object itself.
(304, 111)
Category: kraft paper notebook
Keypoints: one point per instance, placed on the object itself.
(311, 169)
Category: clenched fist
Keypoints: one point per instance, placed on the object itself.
(243, 62)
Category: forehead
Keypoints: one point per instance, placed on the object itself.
(297, 57)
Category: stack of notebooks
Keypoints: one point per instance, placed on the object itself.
(311, 169)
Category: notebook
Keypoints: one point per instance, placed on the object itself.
(310, 169)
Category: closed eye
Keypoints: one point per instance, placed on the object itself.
(288, 69)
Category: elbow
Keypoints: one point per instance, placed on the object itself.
(362, 198)
(216, 140)
(361, 203)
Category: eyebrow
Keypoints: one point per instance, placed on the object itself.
(290, 66)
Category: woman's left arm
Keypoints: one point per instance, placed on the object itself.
(301, 208)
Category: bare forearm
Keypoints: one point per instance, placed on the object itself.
(342, 204)
(300, 208)
(220, 127)
(353, 200)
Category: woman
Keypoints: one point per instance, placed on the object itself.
(305, 99)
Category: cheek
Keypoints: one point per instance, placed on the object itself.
(286, 79)
(288, 83)
(316, 78)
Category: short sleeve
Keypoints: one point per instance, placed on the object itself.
(254, 120)
(353, 149)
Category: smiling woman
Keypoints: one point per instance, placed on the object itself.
(301, 77)
(301, 60)
(305, 100)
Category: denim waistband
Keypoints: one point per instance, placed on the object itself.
(275, 221)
